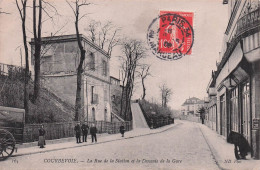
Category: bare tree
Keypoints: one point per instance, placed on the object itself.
(39, 7)
(80, 70)
(105, 35)
(113, 41)
(133, 51)
(22, 11)
(93, 30)
(166, 93)
(143, 74)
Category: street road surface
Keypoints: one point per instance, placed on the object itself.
(181, 147)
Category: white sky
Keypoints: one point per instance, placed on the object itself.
(188, 76)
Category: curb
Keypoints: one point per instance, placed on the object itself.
(44, 151)
(54, 141)
(213, 151)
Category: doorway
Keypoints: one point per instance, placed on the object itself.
(93, 115)
(246, 110)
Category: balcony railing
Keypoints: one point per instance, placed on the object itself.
(249, 21)
(245, 26)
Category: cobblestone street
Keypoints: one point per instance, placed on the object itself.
(181, 147)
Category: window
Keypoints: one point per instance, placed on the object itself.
(105, 115)
(93, 114)
(246, 110)
(47, 64)
(234, 110)
(113, 97)
(92, 62)
(104, 66)
(223, 115)
(92, 94)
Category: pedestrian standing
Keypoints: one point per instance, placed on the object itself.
(122, 129)
(84, 129)
(78, 132)
(41, 141)
(93, 132)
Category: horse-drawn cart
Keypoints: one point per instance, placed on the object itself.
(11, 130)
(7, 144)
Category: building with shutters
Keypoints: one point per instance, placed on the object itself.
(234, 88)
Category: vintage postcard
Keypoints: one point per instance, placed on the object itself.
(130, 84)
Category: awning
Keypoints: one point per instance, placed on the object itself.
(233, 61)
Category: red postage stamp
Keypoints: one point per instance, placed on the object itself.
(173, 37)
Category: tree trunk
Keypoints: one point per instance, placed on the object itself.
(37, 50)
(143, 97)
(26, 76)
(78, 96)
(78, 112)
(37, 70)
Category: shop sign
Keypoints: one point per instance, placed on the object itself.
(250, 20)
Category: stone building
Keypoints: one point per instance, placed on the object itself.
(59, 62)
(191, 106)
(115, 94)
(115, 88)
(234, 89)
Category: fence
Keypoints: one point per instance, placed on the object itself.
(66, 129)
(13, 72)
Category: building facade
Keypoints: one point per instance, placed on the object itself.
(59, 62)
(191, 106)
(115, 94)
(115, 88)
(234, 89)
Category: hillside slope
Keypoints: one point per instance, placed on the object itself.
(49, 107)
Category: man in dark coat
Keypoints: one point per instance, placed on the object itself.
(84, 129)
(41, 141)
(240, 143)
(93, 132)
(78, 132)
(122, 130)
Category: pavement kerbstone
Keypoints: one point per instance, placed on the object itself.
(224, 152)
(66, 143)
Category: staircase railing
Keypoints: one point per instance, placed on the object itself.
(118, 117)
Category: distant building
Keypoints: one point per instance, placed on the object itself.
(234, 89)
(115, 94)
(58, 74)
(191, 106)
(211, 103)
(115, 88)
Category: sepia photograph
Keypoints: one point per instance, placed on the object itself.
(130, 84)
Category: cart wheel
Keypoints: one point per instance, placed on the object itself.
(7, 144)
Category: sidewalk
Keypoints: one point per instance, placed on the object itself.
(223, 152)
(66, 143)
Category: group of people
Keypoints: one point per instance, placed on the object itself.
(83, 129)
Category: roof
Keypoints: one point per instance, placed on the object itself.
(193, 100)
(72, 37)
